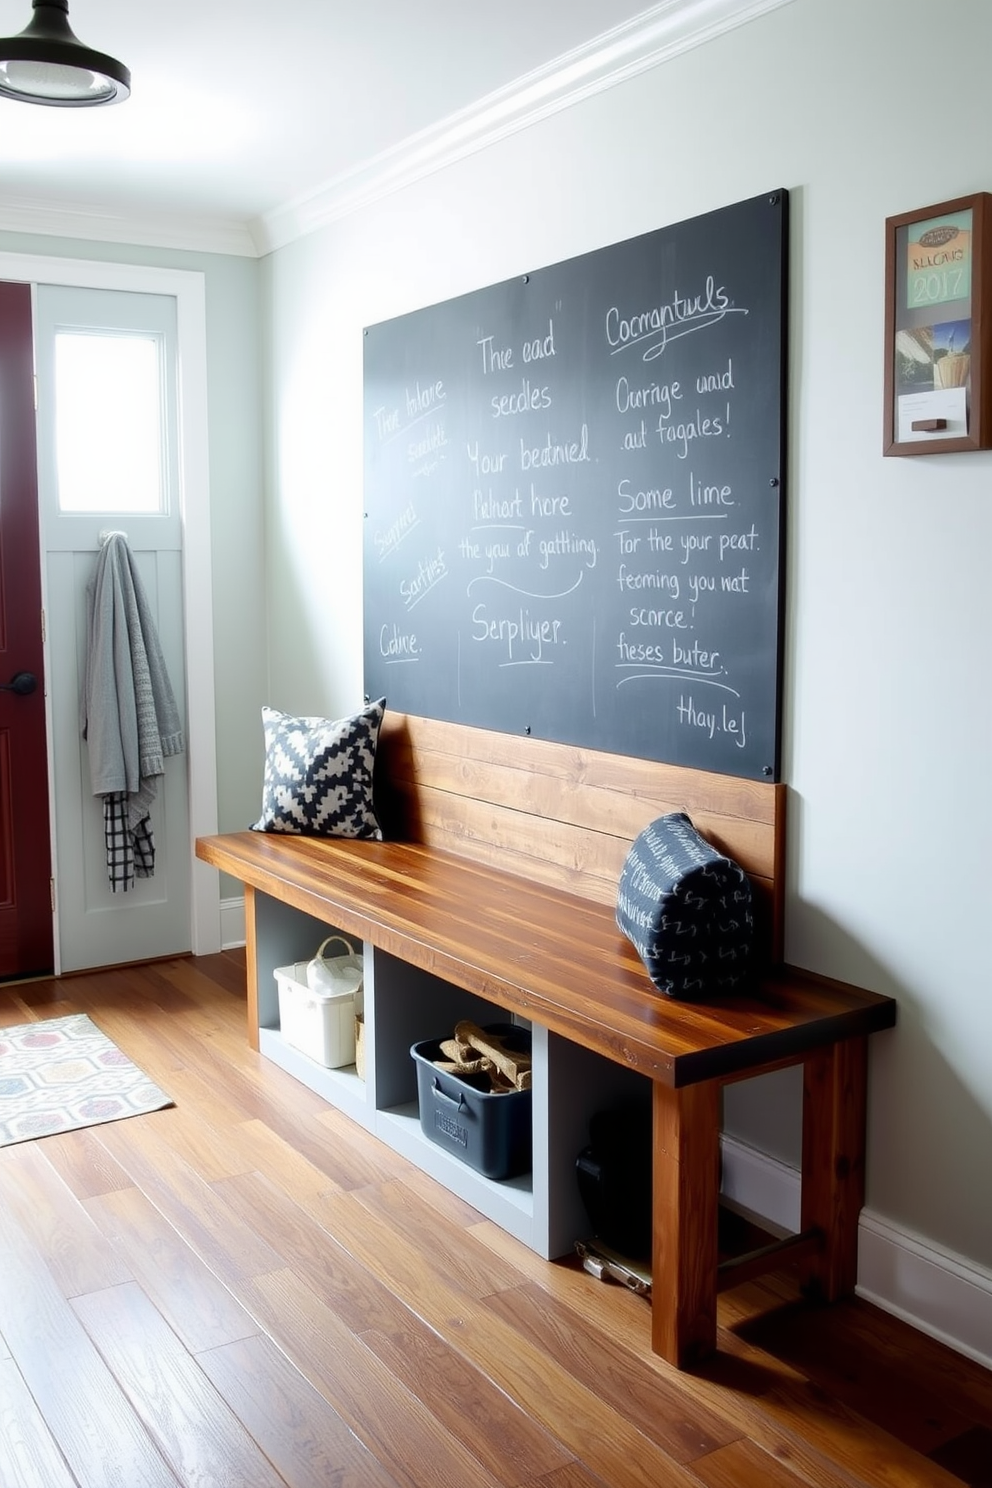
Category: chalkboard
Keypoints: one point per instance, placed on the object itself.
(573, 498)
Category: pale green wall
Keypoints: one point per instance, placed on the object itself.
(887, 713)
(234, 395)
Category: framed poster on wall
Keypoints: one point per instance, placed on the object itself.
(938, 378)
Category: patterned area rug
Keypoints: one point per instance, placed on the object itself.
(62, 1074)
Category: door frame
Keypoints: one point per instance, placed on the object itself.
(188, 287)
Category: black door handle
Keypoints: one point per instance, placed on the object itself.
(21, 682)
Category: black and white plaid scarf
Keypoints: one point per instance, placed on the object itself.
(130, 851)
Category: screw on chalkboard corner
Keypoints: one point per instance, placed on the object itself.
(773, 199)
(767, 770)
(773, 481)
(525, 279)
(527, 729)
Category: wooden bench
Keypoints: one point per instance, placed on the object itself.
(495, 888)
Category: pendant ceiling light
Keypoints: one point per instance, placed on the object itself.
(47, 64)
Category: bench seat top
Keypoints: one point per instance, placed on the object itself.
(553, 957)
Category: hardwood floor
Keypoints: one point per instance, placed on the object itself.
(248, 1289)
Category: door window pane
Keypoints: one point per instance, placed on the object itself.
(108, 422)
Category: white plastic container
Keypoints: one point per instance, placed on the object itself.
(319, 1024)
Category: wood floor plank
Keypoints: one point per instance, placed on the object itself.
(13, 1011)
(591, 1430)
(229, 1246)
(639, 1390)
(451, 1387)
(359, 1299)
(207, 1149)
(451, 1206)
(733, 1384)
(348, 1156)
(574, 1475)
(454, 1251)
(854, 1445)
(733, 1389)
(115, 986)
(209, 980)
(32, 1001)
(301, 1434)
(612, 1307)
(79, 1257)
(395, 1426)
(262, 1150)
(143, 1040)
(620, 1314)
(916, 1385)
(159, 1046)
(368, 1160)
(197, 1305)
(927, 1365)
(838, 1355)
(512, 1447)
(29, 1457)
(253, 1085)
(743, 1465)
(216, 1039)
(398, 1339)
(194, 1091)
(84, 1164)
(194, 1429)
(87, 1414)
(225, 970)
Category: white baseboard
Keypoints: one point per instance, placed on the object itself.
(232, 923)
(932, 1289)
(759, 1182)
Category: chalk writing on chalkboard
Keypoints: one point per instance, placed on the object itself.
(573, 496)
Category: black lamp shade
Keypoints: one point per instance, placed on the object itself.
(47, 64)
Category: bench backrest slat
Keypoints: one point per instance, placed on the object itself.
(566, 816)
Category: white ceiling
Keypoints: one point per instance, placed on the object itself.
(252, 121)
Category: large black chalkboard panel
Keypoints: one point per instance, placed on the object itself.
(573, 497)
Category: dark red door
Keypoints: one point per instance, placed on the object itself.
(25, 847)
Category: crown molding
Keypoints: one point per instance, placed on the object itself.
(149, 230)
(658, 34)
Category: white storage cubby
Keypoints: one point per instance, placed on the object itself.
(404, 1005)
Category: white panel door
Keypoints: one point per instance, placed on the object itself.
(80, 498)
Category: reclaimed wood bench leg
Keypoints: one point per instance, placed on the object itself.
(686, 1196)
(835, 1083)
(251, 952)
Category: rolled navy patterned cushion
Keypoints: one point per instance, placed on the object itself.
(686, 908)
(318, 774)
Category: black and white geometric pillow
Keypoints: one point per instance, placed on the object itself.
(318, 774)
(687, 909)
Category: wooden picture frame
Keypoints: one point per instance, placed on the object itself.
(938, 328)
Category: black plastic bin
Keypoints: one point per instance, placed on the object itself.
(489, 1132)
